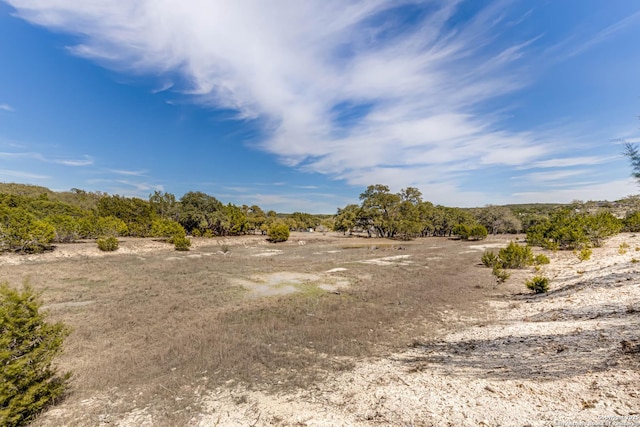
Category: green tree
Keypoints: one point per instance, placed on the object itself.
(164, 205)
(136, 213)
(233, 221)
(380, 210)
(28, 345)
(199, 211)
(498, 219)
(255, 218)
(632, 152)
(346, 219)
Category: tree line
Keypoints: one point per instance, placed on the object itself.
(405, 215)
(32, 218)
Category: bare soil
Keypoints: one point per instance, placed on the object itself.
(332, 330)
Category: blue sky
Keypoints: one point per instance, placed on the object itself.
(298, 106)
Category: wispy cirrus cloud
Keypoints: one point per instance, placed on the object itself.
(21, 175)
(86, 161)
(349, 89)
(6, 107)
(128, 172)
(581, 43)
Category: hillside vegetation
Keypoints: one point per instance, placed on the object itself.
(33, 218)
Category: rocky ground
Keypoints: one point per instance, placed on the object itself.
(569, 357)
(566, 358)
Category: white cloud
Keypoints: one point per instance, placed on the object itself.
(6, 107)
(21, 174)
(342, 91)
(573, 161)
(582, 43)
(128, 172)
(87, 161)
(612, 190)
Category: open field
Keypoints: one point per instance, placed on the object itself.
(331, 330)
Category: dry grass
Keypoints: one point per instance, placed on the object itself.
(154, 329)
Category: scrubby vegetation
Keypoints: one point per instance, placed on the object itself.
(567, 229)
(181, 243)
(584, 254)
(279, 232)
(108, 244)
(28, 345)
(538, 284)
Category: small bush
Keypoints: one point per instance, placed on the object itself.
(489, 259)
(516, 256)
(478, 232)
(168, 229)
(462, 230)
(584, 254)
(499, 273)
(181, 243)
(538, 284)
(541, 259)
(28, 345)
(278, 232)
(108, 244)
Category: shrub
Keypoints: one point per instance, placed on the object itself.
(584, 254)
(499, 273)
(478, 232)
(538, 284)
(632, 222)
(541, 259)
(20, 231)
(108, 244)
(569, 230)
(278, 232)
(461, 230)
(515, 256)
(181, 243)
(168, 229)
(489, 259)
(92, 226)
(28, 345)
(67, 228)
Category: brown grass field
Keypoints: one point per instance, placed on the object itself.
(152, 327)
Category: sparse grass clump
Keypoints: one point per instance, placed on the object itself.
(108, 244)
(622, 249)
(499, 273)
(541, 259)
(28, 345)
(538, 284)
(584, 254)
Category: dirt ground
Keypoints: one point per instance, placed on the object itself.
(330, 330)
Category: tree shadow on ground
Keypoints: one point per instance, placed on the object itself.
(578, 348)
(541, 357)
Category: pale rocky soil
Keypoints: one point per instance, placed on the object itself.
(570, 357)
